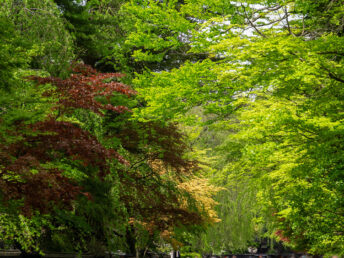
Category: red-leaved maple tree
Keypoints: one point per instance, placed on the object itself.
(25, 175)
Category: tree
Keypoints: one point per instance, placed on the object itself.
(266, 74)
(283, 61)
(157, 189)
(95, 29)
(42, 29)
(69, 162)
(53, 152)
(295, 157)
(62, 132)
(284, 124)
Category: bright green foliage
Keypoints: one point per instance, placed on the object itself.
(12, 53)
(238, 227)
(177, 91)
(157, 36)
(266, 74)
(22, 230)
(237, 209)
(291, 129)
(19, 100)
(297, 157)
(281, 65)
(155, 29)
(41, 27)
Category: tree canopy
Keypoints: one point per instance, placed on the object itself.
(229, 135)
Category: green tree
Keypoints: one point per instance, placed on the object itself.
(95, 28)
(282, 60)
(41, 27)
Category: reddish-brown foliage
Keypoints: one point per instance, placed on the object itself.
(280, 234)
(42, 191)
(151, 196)
(53, 140)
(81, 88)
(39, 188)
(22, 173)
(153, 202)
(163, 142)
(68, 140)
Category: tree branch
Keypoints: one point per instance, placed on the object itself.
(335, 77)
(332, 75)
(287, 20)
(251, 23)
(331, 52)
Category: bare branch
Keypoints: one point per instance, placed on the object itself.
(251, 23)
(274, 8)
(303, 25)
(272, 22)
(287, 20)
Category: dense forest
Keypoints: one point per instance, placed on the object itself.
(205, 126)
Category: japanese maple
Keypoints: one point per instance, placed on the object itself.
(26, 175)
